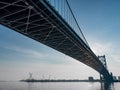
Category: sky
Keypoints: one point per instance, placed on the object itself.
(100, 23)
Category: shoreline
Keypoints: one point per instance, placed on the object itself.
(63, 80)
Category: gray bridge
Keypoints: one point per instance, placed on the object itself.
(52, 23)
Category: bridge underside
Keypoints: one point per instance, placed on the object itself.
(39, 21)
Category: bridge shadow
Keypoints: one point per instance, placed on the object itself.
(107, 86)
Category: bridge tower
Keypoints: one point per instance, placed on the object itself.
(103, 61)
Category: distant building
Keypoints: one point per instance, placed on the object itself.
(118, 77)
(114, 77)
(90, 78)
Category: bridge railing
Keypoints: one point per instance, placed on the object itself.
(63, 8)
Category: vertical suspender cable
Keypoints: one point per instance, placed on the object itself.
(54, 3)
(58, 6)
(64, 9)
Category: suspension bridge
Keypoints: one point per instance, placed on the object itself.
(52, 23)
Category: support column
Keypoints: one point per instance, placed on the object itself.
(108, 77)
(101, 78)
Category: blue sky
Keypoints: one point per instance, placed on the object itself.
(100, 23)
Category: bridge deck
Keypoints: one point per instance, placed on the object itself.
(39, 21)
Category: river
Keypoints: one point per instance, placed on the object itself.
(56, 86)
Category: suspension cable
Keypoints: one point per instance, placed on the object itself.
(76, 22)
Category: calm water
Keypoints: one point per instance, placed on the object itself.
(55, 86)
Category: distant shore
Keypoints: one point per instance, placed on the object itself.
(62, 80)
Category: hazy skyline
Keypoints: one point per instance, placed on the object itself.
(100, 23)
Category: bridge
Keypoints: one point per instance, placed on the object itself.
(52, 23)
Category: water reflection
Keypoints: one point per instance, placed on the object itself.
(107, 86)
(70, 86)
(30, 85)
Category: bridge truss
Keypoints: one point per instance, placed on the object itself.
(39, 20)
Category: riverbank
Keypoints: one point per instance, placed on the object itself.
(62, 80)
